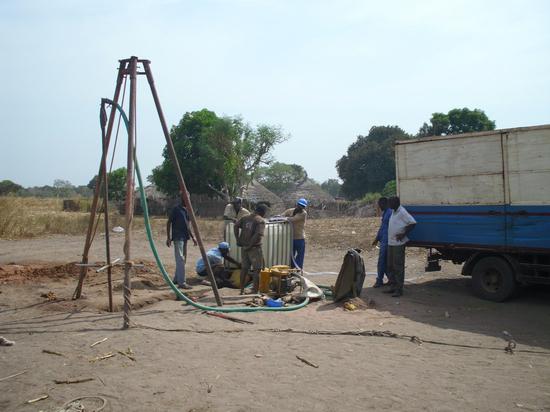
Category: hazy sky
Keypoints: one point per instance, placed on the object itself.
(324, 71)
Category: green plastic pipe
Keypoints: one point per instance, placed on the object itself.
(165, 275)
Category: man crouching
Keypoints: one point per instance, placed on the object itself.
(249, 232)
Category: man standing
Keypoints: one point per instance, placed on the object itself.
(298, 216)
(382, 238)
(400, 224)
(249, 232)
(178, 231)
(235, 210)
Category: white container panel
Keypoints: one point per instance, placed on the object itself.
(528, 166)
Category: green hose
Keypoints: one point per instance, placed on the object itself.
(165, 275)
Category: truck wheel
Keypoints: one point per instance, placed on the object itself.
(493, 279)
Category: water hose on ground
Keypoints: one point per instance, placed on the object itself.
(165, 275)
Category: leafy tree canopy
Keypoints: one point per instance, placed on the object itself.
(216, 154)
(369, 162)
(117, 183)
(457, 121)
(332, 186)
(390, 189)
(7, 187)
(280, 177)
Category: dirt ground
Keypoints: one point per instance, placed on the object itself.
(175, 358)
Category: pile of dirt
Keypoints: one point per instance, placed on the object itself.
(12, 273)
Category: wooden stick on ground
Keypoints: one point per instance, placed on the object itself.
(106, 356)
(69, 381)
(13, 376)
(51, 352)
(41, 398)
(307, 362)
(227, 317)
(98, 342)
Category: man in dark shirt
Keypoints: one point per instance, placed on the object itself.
(249, 232)
(179, 232)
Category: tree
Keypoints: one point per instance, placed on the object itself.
(217, 155)
(332, 186)
(390, 189)
(369, 162)
(63, 188)
(117, 184)
(7, 187)
(457, 121)
(279, 177)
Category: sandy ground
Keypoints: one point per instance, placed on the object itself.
(194, 362)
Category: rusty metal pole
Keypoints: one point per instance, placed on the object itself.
(93, 209)
(181, 181)
(103, 121)
(129, 205)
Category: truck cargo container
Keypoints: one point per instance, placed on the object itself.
(481, 199)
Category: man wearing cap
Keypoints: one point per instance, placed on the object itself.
(298, 216)
(179, 232)
(235, 210)
(249, 232)
(216, 258)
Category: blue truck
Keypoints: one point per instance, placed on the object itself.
(481, 200)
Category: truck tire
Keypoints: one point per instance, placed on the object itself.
(493, 279)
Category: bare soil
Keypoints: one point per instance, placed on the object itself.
(180, 359)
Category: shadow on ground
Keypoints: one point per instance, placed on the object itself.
(449, 303)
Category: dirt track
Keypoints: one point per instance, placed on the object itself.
(211, 364)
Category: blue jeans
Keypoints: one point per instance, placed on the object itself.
(382, 263)
(298, 253)
(180, 254)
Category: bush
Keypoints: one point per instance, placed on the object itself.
(390, 189)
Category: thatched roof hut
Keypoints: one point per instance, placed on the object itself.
(309, 190)
(256, 193)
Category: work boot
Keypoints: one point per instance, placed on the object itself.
(378, 284)
(397, 293)
(185, 286)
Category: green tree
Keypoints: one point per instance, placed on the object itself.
(7, 187)
(117, 184)
(457, 121)
(279, 177)
(217, 155)
(369, 162)
(332, 186)
(390, 189)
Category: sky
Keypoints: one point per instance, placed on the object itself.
(325, 71)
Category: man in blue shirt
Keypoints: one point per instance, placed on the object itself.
(382, 237)
(216, 258)
(179, 232)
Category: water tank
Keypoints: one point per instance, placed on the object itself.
(276, 244)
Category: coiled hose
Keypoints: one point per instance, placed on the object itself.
(165, 275)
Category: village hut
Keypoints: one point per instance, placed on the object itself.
(256, 193)
(315, 195)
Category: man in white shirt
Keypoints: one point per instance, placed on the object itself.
(401, 223)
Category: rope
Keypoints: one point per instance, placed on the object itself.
(113, 155)
(101, 398)
(364, 333)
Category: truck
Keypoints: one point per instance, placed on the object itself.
(482, 200)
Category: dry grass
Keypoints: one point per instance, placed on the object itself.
(31, 217)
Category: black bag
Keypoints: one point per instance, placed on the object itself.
(349, 283)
